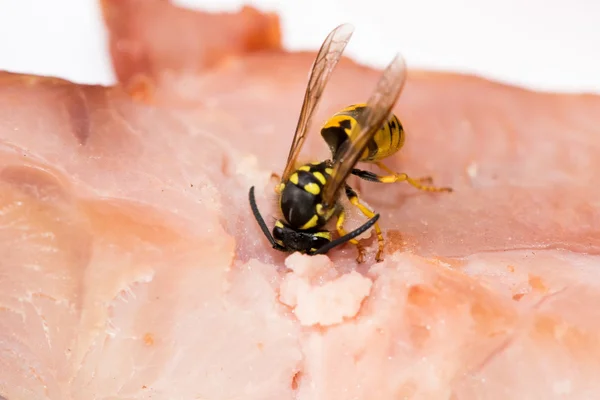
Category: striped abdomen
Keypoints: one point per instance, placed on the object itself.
(387, 141)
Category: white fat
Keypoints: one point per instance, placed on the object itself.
(247, 167)
(472, 170)
(562, 387)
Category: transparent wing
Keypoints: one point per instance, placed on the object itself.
(327, 58)
(379, 107)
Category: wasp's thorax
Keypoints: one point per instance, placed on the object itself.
(301, 196)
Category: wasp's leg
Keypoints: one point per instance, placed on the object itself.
(396, 177)
(341, 231)
(355, 201)
(278, 187)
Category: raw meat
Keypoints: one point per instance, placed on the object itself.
(132, 267)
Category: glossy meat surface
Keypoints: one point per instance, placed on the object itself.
(132, 267)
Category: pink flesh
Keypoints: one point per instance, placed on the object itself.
(132, 267)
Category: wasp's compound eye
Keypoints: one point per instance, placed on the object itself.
(278, 233)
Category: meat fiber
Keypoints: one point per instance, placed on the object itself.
(132, 268)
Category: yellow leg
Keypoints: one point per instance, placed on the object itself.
(277, 187)
(355, 201)
(396, 177)
(342, 232)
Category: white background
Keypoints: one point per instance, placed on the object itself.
(540, 44)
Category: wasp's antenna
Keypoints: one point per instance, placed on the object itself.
(260, 220)
(341, 240)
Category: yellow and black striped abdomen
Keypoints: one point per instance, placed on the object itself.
(387, 141)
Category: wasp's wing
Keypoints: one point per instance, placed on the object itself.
(378, 109)
(327, 58)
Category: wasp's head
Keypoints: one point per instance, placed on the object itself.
(308, 242)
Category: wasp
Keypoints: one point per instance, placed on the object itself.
(309, 195)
